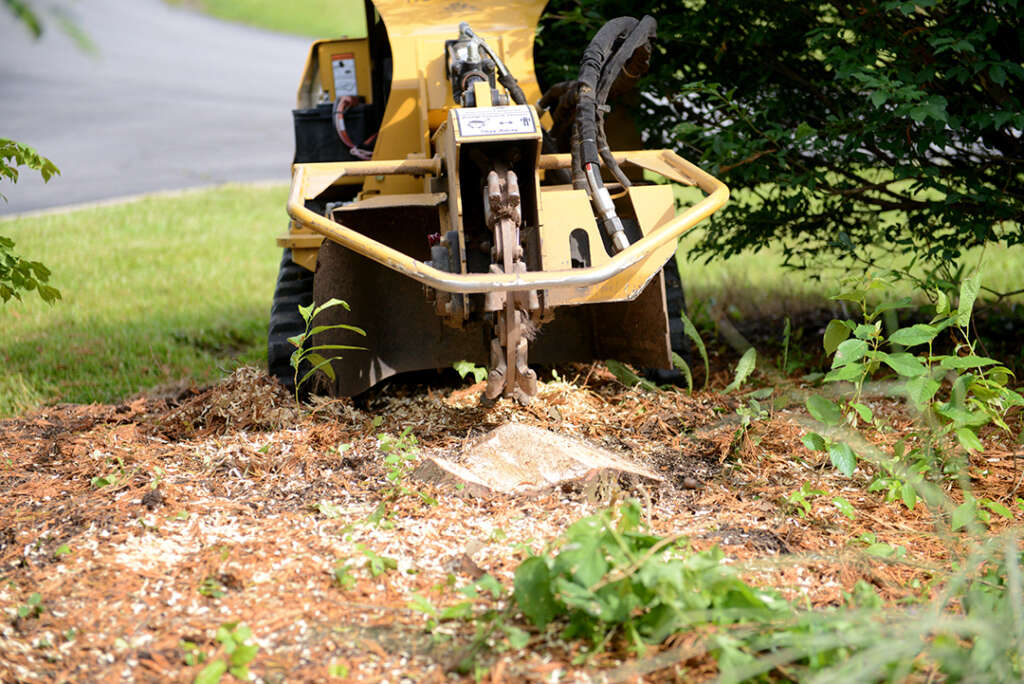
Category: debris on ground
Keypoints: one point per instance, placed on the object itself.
(135, 539)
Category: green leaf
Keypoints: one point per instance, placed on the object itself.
(813, 441)
(964, 514)
(921, 389)
(914, 335)
(845, 507)
(835, 332)
(743, 369)
(904, 363)
(969, 439)
(533, 591)
(464, 368)
(863, 411)
(865, 331)
(850, 373)
(997, 508)
(691, 331)
(212, 673)
(336, 326)
(680, 365)
(909, 494)
(971, 361)
(243, 653)
(805, 130)
(892, 304)
(849, 351)
(843, 458)
(823, 410)
(969, 289)
(517, 638)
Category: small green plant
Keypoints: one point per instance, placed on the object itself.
(801, 498)
(464, 368)
(976, 394)
(310, 355)
(32, 608)
(212, 587)
(238, 652)
(744, 368)
(627, 377)
(375, 563)
(611, 577)
(343, 577)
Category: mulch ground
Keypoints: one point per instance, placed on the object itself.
(151, 523)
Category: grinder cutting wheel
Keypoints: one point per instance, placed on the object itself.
(473, 233)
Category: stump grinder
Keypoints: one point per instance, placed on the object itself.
(463, 216)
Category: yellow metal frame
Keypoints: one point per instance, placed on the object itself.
(609, 281)
(419, 108)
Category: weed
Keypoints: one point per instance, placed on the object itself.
(32, 608)
(464, 368)
(977, 394)
(237, 652)
(212, 587)
(377, 564)
(304, 355)
(801, 498)
(343, 576)
(744, 368)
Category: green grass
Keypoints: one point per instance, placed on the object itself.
(156, 292)
(312, 18)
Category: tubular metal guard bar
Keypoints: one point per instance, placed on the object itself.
(309, 180)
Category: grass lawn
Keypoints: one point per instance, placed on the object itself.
(313, 18)
(160, 291)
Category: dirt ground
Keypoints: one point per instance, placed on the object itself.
(146, 526)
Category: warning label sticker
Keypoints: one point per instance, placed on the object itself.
(481, 121)
(344, 67)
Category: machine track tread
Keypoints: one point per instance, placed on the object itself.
(294, 289)
(675, 306)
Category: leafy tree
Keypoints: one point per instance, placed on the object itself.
(838, 125)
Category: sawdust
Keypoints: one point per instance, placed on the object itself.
(152, 523)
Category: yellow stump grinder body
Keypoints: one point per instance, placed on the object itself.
(433, 192)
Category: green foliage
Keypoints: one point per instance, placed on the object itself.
(32, 608)
(307, 359)
(839, 125)
(464, 368)
(611, 577)
(19, 275)
(744, 368)
(627, 377)
(956, 393)
(238, 652)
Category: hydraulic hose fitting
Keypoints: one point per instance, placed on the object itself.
(606, 211)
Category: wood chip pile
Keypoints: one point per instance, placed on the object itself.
(149, 524)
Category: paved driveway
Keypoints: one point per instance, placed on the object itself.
(172, 100)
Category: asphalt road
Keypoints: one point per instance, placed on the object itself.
(171, 100)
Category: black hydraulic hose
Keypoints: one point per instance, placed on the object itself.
(591, 66)
(641, 35)
(638, 41)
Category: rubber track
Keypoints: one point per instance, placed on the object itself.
(675, 304)
(294, 289)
